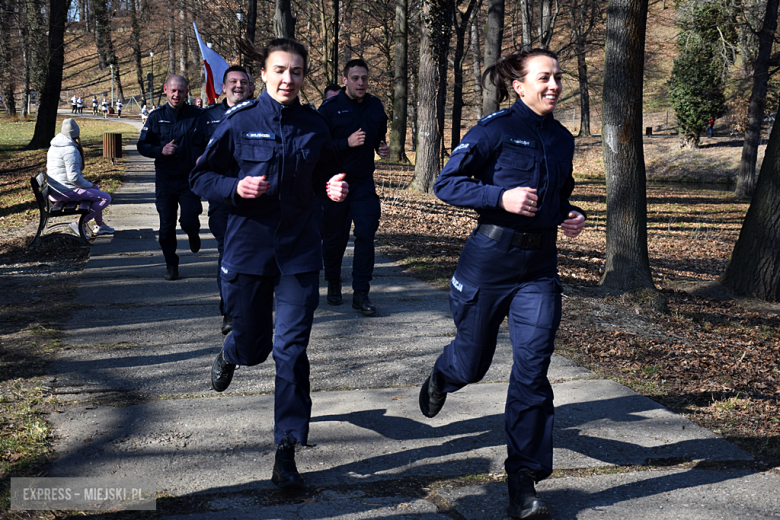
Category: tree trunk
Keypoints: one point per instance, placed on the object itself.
(494, 36)
(746, 178)
(184, 58)
(26, 66)
(49, 96)
(526, 18)
(578, 14)
(171, 41)
(548, 14)
(334, 59)
(400, 80)
(427, 165)
(442, 49)
(6, 55)
(458, 60)
(102, 31)
(251, 20)
(284, 23)
(754, 269)
(627, 263)
(476, 59)
(135, 38)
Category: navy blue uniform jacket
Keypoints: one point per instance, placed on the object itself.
(289, 144)
(164, 124)
(345, 116)
(511, 148)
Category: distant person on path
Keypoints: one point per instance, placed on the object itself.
(235, 85)
(710, 124)
(358, 125)
(144, 113)
(199, 102)
(515, 169)
(119, 107)
(167, 138)
(265, 161)
(104, 107)
(74, 103)
(80, 105)
(64, 166)
(95, 106)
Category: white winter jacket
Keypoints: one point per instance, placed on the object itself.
(63, 165)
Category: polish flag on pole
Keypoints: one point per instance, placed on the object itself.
(215, 68)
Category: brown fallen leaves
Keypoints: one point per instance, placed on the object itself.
(717, 361)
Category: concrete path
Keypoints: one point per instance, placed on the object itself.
(136, 401)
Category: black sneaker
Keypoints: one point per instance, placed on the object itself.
(361, 302)
(431, 399)
(221, 372)
(285, 473)
(523, 502)
(334, 292)
(194, 242)
(172, 273)
(227, 324)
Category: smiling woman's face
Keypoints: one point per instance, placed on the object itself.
(541, 87)
(283, 76)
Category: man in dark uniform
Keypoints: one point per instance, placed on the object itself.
(167, 137)
(358, 125)
(235, 85)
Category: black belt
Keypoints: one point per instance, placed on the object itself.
(521, 240)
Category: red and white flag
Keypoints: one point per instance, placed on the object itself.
(215, 67)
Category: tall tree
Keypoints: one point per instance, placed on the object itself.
(171, 40)
(476, 61)
(526, 18)
(746, 178)
(427, 164)
(102, 31)
(494, 36)
(442, 32)
(400, 84)
(584, 16)
(6, 55)
(135, 38)
(754, 269)
(251, 20)
(284, 23)
(548, 14)
(627, 262)
(49, 96)
(462, 22)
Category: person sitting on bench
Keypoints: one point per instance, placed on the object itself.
(64, 163)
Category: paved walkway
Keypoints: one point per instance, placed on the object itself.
(137, 401)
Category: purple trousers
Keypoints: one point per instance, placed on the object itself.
(99, 201)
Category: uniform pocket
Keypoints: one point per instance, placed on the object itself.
(303, 183)
(517, 168)
(464, 304)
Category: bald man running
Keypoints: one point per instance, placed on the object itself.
(167, 138)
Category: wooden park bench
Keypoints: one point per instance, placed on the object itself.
(49, 209)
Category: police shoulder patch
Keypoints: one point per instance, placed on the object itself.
(241, 106)
(462, 147)
(492, 117)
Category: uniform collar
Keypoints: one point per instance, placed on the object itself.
(538, 121)
(267, 101)
(355, 102)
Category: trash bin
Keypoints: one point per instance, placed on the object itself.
(112, 146)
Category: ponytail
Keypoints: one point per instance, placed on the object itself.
(510, 68)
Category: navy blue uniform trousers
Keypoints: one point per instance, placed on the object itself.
(218, 220)
(494, 280)
(250, 302)
(363, 208)
(170, 193)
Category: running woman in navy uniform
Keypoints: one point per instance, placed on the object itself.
(265, 161)
(515, 169)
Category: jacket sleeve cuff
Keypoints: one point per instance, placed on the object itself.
(492, 196)
(341, 144)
